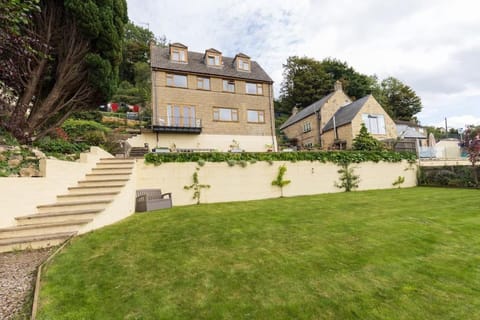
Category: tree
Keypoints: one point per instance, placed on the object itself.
(366, 142)
(307, 80)
(398, 99)
(75, 68)
(471, 143)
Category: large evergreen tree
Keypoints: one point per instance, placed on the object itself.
(74, 68)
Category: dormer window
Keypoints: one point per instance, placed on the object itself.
(178, 52)
(213, 58)
(178, 55)
(242, 62)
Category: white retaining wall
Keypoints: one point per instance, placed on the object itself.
(254, 181)
(21, 196)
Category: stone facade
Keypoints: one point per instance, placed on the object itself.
(207, 106)
(349, 131)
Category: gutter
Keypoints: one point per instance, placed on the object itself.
(272, 116)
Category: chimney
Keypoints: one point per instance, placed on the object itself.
(294, 111)
(338, 86)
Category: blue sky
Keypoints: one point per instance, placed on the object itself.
(431, 45)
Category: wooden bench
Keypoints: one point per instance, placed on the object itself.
(152, 199)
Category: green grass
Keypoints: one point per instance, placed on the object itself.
(392, 254)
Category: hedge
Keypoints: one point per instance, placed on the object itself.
(338, 157)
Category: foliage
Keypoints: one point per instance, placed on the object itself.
(279, 181)
(78, 129)
(92, 115)
(398, 99)
(306, 80)
(59, 146)
(338, 157)
(366, 142)
(196, 186)
(382, 254)
(400, 180)
(348, 180)
(471, 143)
(448, 176)
(74, 67)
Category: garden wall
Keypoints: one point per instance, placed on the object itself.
(235, 183)
(21, 196)
(461, 176)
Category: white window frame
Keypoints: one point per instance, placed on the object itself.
(255, 116)
(213, 58)
(203, 83)
(229, 86)
(243, 65)
(172, 80)
(253, 88)
(307, 126)
(178, 55)
(375, 123)
(225, 114)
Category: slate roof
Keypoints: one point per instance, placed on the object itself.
(196, 64)
(406, 131)
(345, 114)
(305, 112)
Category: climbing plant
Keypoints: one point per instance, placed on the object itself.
(196, 186)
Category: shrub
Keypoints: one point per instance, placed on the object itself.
(59, 146)
(93, 115)
(77, 129)
(366, 142)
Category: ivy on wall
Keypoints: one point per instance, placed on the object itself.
(337, 157)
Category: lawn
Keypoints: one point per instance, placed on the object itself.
(391, 254)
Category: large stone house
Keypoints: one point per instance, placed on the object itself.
(335, 120)
(205, 101)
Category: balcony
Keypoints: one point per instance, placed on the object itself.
(178, 125)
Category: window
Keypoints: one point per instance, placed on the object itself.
(243, 65)
(225, 114)
(203, 83)
(181, 116)
(256, 116)
(229, 85)
(307, 127)
(178, 55)
(375, 123)
(213, 60)
(253, 88)
(176, 80)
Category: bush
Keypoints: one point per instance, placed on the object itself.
(78, 129)
(93, 115)
(366, 142)
(95, 138)
(59, 146)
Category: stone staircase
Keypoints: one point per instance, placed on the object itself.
(138, 152)
(56, 222)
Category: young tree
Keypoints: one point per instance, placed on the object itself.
(366, 142)
(75, 68)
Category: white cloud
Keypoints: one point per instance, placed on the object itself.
(430, 45)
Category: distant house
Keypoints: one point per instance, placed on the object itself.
(204, 100)
(407, 130)
(334, 121)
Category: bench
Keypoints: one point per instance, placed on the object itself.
(152, 199)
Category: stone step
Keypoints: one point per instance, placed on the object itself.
(94, 190)
(59, 216)
(106, 176)
(73, 206)
(102, 165)
(92, 196)
(97, 183)
(117, 161)
(112, 170)
(35, 242)
(43, 228)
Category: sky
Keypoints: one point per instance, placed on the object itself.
(433, 46)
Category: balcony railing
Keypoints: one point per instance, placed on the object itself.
(178, 124)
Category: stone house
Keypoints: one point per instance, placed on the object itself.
(335, 120)
(206, 101)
